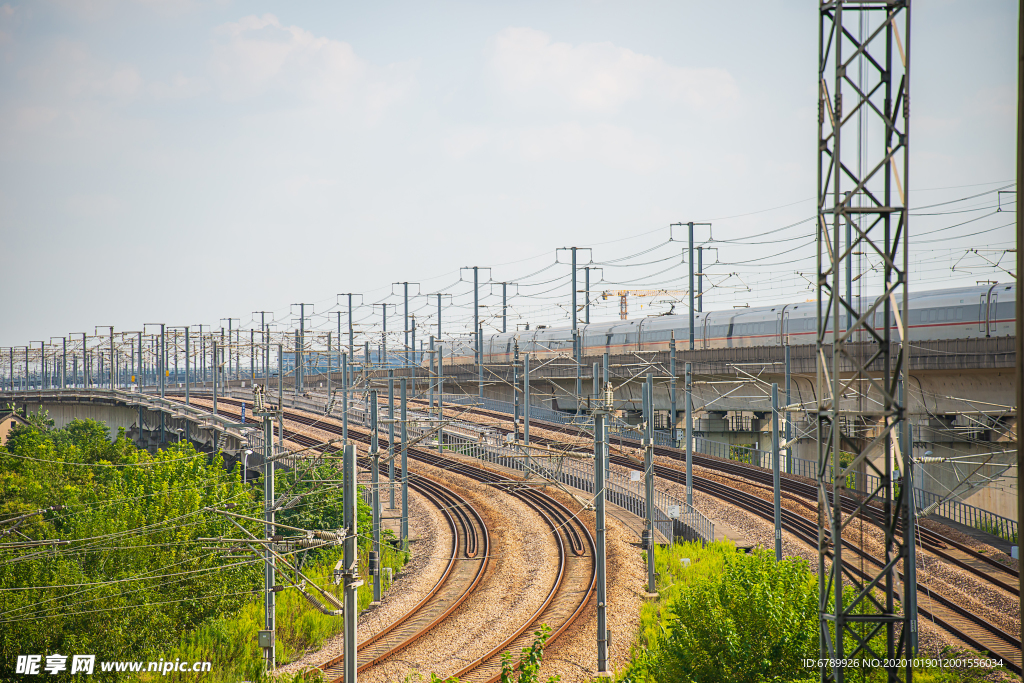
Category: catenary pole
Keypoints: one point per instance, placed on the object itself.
(476, 329)
(440, 399)
(690, 259)
(188, 368)
(351, 572)
(689, 437)
(215, 375)
(648, 403)
(586, 295)
(280, 395)
(577, 344)
(412, 366)
(672, 386)
(405, 466)
(516, 391)
(1019, 303)
(266, 346)
(776, 495)
(574, 315)
(344, 398)
(375, 484)
(526, 399)
(600, 457)
(907, 449)
(297, 383)
(405, 321)
(269, 569)
(391, 435)
(700, 279)
(789, 427)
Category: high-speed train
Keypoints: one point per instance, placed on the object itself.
(960, 313)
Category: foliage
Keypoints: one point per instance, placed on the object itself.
(998, 531)
(131, 575)
(134, 583)
(529, 660)
(743, 452)
(726, 616)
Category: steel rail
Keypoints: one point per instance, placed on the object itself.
(569, 525)
(466, 547)
(932, 540)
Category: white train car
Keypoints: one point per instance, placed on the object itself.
(960, 313)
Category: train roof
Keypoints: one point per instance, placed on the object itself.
(674, 321)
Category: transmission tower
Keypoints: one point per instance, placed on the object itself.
(866, 200)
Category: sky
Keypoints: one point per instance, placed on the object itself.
(188, 162)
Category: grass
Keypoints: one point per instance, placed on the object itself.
(229, 642)
(997, 531)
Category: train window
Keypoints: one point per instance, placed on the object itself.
(959, 313)
(940, 315)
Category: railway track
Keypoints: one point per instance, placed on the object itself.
(965, 558)
(566, 600)
(462, 574)
(961, 623)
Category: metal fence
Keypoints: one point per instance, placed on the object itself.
(955, 510)
(484, 444)
(672, 517)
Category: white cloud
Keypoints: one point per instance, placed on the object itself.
(260, 55)
(601, 76)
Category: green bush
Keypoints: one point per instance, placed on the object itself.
(730, 617)
(135, 583)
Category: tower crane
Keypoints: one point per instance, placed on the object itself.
(624, 293)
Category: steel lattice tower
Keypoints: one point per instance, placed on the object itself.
(860, 366)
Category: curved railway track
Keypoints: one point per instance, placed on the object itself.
(979, 564)
(565, 602)
(958, 621)
(462, 574)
